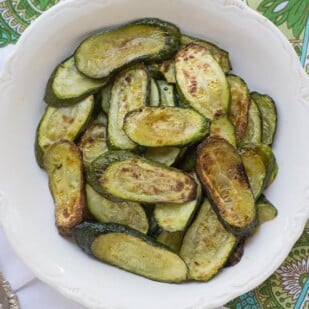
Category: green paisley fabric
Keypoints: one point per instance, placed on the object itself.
(288, 287)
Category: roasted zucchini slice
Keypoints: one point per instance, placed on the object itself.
(221, 171)
(154, 99)
(64, 167)
(130, 250)
(130, 91)
(176, 217)
(93, 142)
(105, 97)
(253, 132)
(126, 213)
(200, 81)
(173, 240)
(220, 55)
(167, 93)
(237, 253)
(206, 245)
(273, 174)
(187, 162)
(167, 68)
(259, 162)
(266, 210)
(239, 107)
(148, 39)
(222, 127)
(67, 85)
(164, 155)
(267, 108)
(165, 126)
(61, 123)
(120, 175)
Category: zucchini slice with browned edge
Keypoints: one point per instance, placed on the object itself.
(259, 162)
(221, 171)
(173, 240)
(130, 91)
(266, 210)
(206, 245)
(200, 81)
(68, 86)
(237, 253)
(130, 250)
(126, 213)
(164, 155)
(167, 68)
(165, 126)
(239, 107)
(148, 39)
(253, 132)
(268, 112)
(167, 93)
(61, 123)
(154, 99)
(64, 167)
(121, 175)
(93, 142)
(176, 217)
(222, 127)
(220, 55)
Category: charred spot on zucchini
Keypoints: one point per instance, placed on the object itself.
(148, 39)
(126, 213)
(130, 91)
(239, 107)
(149, 126)
(220, 55)
(200, 81)
(63, 164)
(130, 250)
(268, 112)
(61, 123)
(206, 245)
(120, 175)
(67, 85)
(221, 171)
(237, 253)
(222, 127)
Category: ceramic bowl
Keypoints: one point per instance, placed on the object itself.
(259, 53)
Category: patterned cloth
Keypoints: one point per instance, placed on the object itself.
(288, 287)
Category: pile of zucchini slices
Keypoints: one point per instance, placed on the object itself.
(157, 156)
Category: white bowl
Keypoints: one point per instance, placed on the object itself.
(259, 53)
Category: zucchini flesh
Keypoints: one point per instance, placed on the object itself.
(266, 210)
(164, 155)
(126, 213)
(173, 240)
(222, 127)
(253, 132)
(63, 164)
(68, 86)
(167, 68)
(146, 39)
(105, 97)
(176, 217)
(129, 92)
(154, 99)
(221, 171)
(201, 82)
(167, 93)
(61, 123)
(237, 253)
(165, 126)
(267, 108)
(220, 55)
(120, 175)
(239, 107)
(131, 250)
(93, 142)
(206, 245)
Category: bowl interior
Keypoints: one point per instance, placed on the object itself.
(258, 53)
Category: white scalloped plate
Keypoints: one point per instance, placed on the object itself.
(259, 53)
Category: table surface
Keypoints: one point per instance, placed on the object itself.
(288, 287)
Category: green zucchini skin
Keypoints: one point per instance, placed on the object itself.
(222, 173)
(200, 82)
(106, 93)
(157, 262)
(164, 184)
(63, 123)
(268, 112)
(72, 77)
(169, 40)
(206, 245)
(220, 55)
